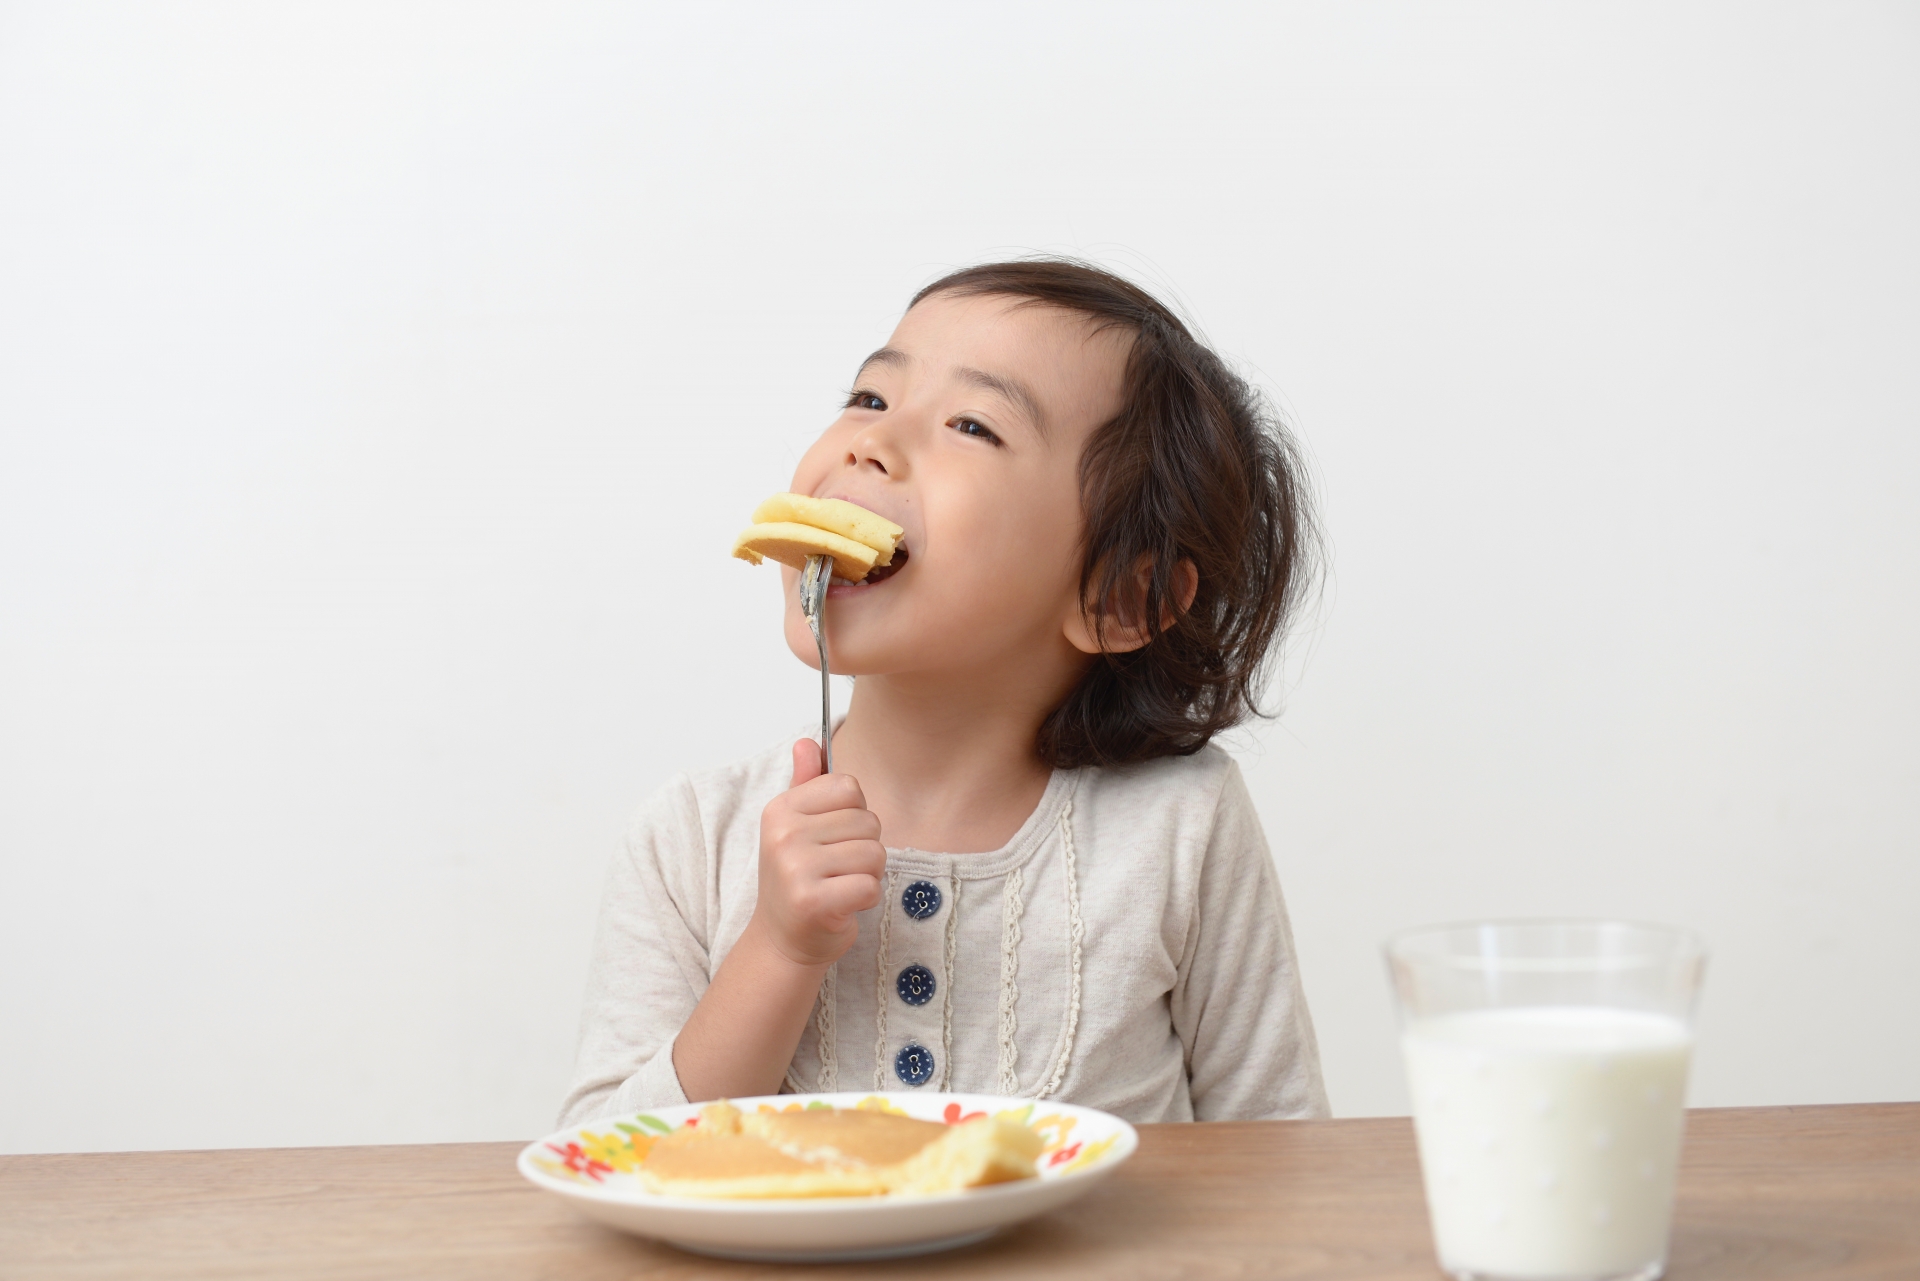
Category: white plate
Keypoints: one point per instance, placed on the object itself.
(593, 1166)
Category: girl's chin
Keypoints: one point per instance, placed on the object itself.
(853, 659)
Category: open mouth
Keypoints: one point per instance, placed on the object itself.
(881, 573)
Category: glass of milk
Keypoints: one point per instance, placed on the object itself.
(1548, 1066)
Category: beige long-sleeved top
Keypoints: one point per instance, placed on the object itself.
(1127, 950)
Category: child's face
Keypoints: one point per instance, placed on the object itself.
(967, 430)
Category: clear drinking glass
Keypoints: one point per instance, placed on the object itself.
(1548, 1066)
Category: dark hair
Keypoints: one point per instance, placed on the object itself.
(1197, 466)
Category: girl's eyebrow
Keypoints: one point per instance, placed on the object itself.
(1011, 388)
(886, 356)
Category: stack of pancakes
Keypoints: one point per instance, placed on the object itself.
(791, 527)
(822, 1152)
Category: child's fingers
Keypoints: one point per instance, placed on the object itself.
(802, 850)
(799, 867)
(806, 762)
(851, 858)
(824, 793)
(845, 895)
(839, 825)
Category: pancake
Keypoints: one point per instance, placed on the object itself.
(834, 1152)
(836, 516)
(688, 1163)
(971, 1154)
(791, 544)
(791, 527)
(843, 1136)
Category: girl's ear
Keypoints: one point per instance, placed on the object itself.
(1116, 627)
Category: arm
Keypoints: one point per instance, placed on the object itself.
(656, 1030)
(821, 861)
(1238, 1006)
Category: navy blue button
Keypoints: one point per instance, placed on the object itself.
(914, 1064)
(915, 985)
(921, 900)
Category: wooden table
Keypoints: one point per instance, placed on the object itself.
(1829, 1192)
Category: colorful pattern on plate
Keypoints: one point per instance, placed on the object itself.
(590, 1157)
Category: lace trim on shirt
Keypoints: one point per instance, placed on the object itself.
(827, 1080)
(1012, 907)
(1075, 932)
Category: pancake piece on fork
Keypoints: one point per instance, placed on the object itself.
(791, 527)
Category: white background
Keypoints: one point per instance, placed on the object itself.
(380, 386)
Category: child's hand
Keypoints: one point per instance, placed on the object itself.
(821, 861)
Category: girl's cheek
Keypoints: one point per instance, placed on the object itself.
(820, 457)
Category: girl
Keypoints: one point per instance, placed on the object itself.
(1106, 532)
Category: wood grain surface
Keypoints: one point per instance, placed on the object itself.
(1765, 1193)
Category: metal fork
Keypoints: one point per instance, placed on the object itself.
(814, 581)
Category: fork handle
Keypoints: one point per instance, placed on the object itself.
(814, 581)
(826, 702)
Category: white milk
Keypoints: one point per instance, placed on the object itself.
(1549, 1136)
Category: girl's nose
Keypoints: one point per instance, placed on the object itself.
(877, 445)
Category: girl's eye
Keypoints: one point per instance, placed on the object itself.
(968, 427)
(865, 400)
